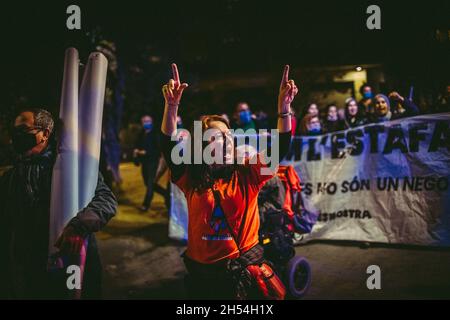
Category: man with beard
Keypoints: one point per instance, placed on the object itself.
(25, 192)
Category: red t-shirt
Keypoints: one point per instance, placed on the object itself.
(209, 238)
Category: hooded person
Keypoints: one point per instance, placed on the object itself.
(25, 194)
(383, 111)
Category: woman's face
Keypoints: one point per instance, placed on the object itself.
(313, 110)
(221, 139)
(332, 113)
(314, 125)
(381, 106)
(352, 108)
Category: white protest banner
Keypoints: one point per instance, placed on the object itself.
(386, 182)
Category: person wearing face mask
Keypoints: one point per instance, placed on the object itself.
(147, 153)
(25, 213)
(366, 103)
(333, 123)
(243, 118)
(353, 115)
(383, 108)
(310, 126)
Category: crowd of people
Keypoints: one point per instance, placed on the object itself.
(34, 142)
(372, 108)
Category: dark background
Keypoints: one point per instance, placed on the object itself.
(214, 39)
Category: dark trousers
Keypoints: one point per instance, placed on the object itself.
(209, 281)
(164, 192)
(149, 168)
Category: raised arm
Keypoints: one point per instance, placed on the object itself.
(288, 91)
(172, 92)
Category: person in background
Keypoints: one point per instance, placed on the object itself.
(400, 105)
(383, 110)
(262, 120)
(366, 103)
(147, 153)
(243, 118)
(354, 117)
(333, 123)
(310, 126)
(341, 113)
(25, 195)
(313, 109)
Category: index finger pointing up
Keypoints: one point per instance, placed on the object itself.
(285, 74)
(176, 76)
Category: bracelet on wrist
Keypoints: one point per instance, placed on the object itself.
(284, 114)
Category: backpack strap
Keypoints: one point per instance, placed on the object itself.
(235, 237)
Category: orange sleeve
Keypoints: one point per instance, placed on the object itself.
(256, 176)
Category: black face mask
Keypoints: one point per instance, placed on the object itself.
(23, 141)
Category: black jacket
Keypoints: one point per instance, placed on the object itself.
(25, 192)
(149, 141)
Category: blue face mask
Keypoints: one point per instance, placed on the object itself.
(367, 95)
(315, 128)
(245, 117)
(148, 126)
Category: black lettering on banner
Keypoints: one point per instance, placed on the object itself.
(324, 140)
(387, 183)
(395, 140)
(337, 144)
(415, 136)
(312, 154)
(355, 185)
(441, 137)
(366, 214)
(419, 183)
(306, 188)
(295, 150)
(345, 213)
(442, 184)
(328, 187)
(373, 132)
(407, 183)
(357, 144)
(345, 186)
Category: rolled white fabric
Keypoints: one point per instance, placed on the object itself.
(90, 114)
(64, 192)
